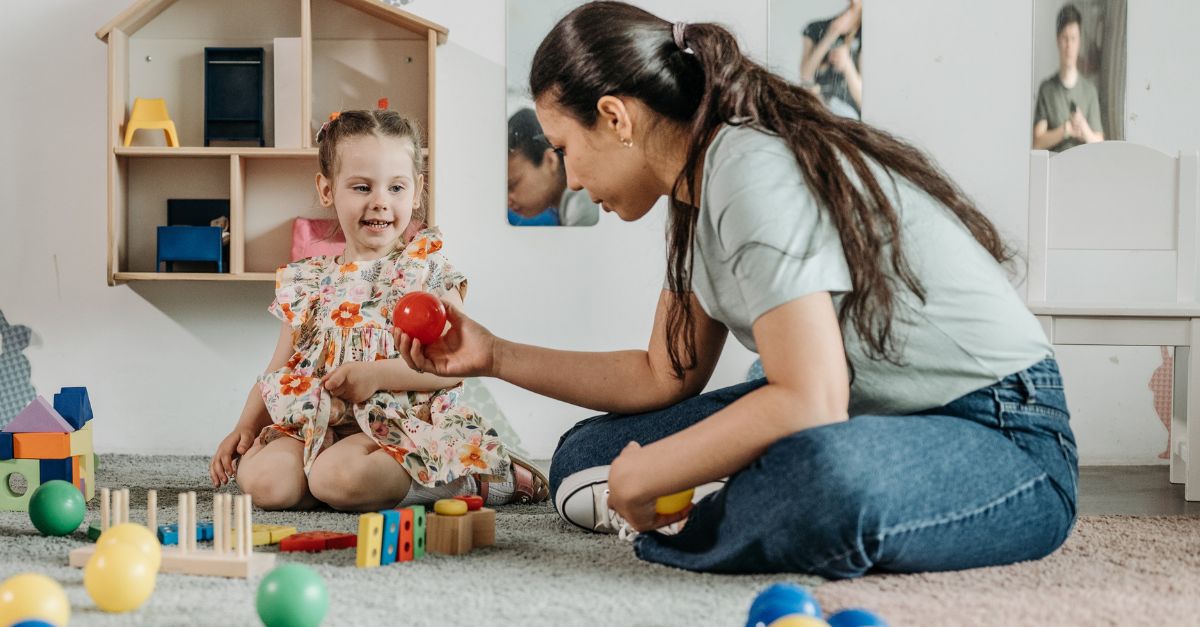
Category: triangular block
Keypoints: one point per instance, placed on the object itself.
(73, 405)
(39, 417)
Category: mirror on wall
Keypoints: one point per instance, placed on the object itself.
(537, 182)
(1079, 72)
(818, 44)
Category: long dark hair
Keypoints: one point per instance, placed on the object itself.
(612, 48)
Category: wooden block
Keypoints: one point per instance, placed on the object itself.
(51, 469)
(448, 535)
(474, 501)
(307, 541)
(370, 540)
(168, 535)
(317, 541)
(342, 541)
(199, 562)
(81, 440)
(41, 445)
(39, 417)
(483, 527)
(391, 536)
(93, 533)
(75, 469)
(418, 531)
(279, 532)
(6, 445)
(404, 551)
(28, 468)
(259, 536)
(73, 405)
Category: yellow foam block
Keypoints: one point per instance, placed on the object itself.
(87, 469)
(81, 440)
(370, 540)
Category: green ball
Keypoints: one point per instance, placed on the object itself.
(57, 508)
(292, 595)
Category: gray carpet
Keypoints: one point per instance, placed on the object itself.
(1114, 570)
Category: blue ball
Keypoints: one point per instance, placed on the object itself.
(856, 618)
(33, 623)
(779, 600)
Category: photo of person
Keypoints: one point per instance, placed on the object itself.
(1080, 82)
(818, 44)
(538, 194)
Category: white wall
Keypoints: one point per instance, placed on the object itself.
(168, 365)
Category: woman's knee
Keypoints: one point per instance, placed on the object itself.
(573, 453)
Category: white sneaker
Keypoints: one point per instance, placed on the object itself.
(582, 500)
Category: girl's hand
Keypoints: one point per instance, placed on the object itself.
(353, 381)
(625, 480)
(222, 466)
(466, 350)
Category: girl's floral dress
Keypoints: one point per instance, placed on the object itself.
(340, 313)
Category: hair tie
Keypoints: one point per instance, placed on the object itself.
(325, 127)
(677, 34)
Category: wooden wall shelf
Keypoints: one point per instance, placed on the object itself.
(156, 49)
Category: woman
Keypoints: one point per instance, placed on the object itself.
(912, 417)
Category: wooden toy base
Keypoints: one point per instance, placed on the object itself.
(197, 562)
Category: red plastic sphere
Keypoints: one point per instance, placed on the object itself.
(421, 315)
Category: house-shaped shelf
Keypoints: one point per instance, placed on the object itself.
(320, 56)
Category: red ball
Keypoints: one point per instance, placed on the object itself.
(420, 315)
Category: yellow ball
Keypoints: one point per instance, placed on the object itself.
(31, 596)
(134, 535)
(798, 621)
(450, 507)
(119, 578)
(673, 503)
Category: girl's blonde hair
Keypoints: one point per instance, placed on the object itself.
(385, 123)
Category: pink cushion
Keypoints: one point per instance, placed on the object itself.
(312, 237)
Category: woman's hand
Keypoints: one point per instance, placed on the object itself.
(466, 350)
(353, 381)
(627, 496)
(222, 467)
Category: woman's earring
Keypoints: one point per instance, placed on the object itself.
(627, 142)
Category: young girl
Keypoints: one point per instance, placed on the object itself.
(337, 419)
(912, 417)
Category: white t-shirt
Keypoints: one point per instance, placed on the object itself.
(763, 239)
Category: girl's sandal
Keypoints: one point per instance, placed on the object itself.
(530, 484)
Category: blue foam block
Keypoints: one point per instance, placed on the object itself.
(56, 469)
(73, 405)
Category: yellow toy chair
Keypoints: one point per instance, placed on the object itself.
(150, 113)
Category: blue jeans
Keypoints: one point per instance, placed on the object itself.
(988, 479)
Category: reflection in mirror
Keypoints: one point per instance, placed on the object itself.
(537, 180)
(1079, 72)
(818, 44)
